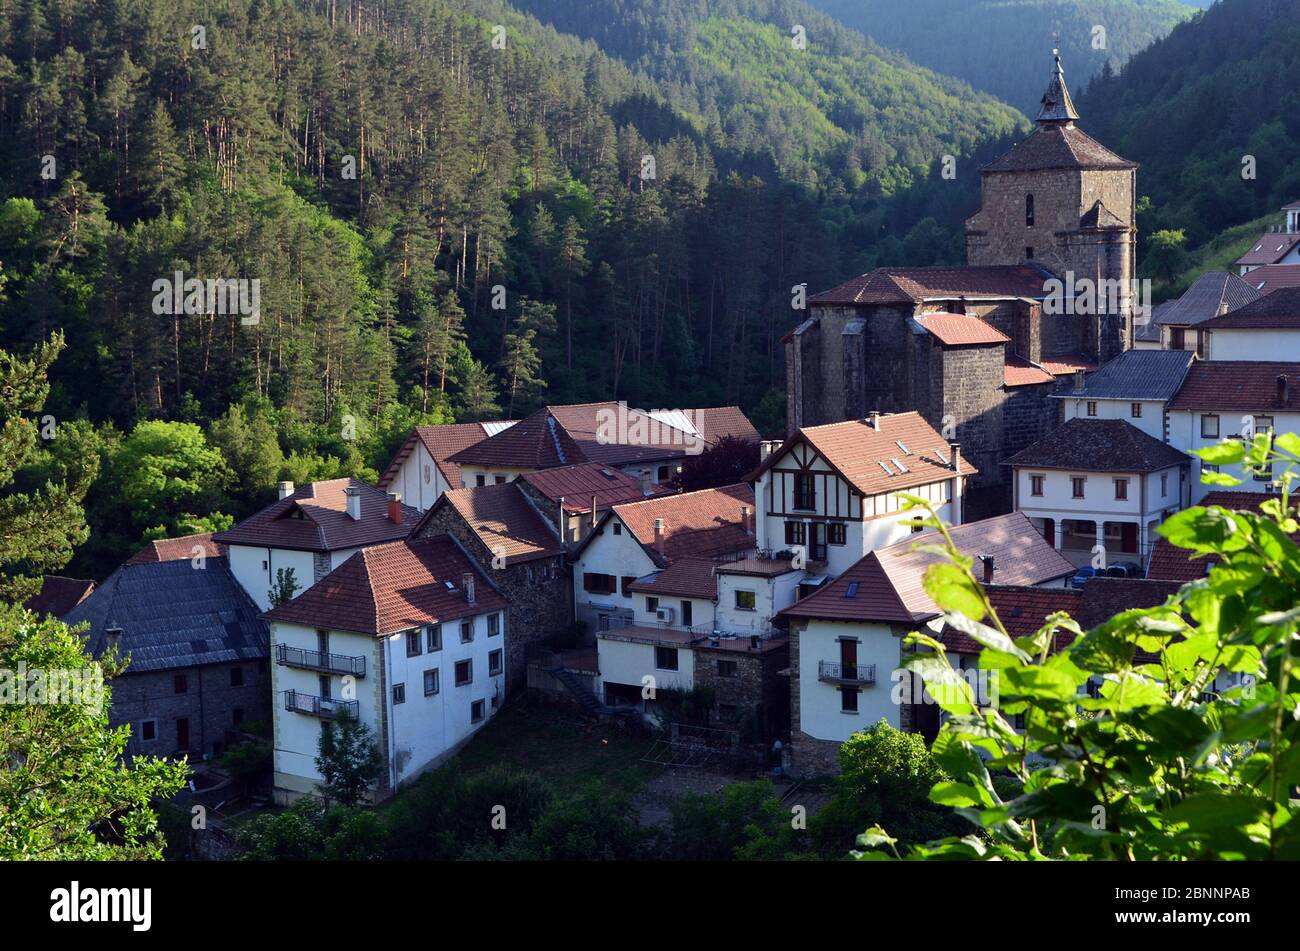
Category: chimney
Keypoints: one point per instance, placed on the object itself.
(647, 487)
(956, 456)
(395, 508)
(286, 489)
(467, 581)
(1283, 385)
(1078, 381)
(875, 420)
(987, 561)
(744, 520)
(766, 447)
(659, 535)
(562, 523)
(353, 495)
(593, 512)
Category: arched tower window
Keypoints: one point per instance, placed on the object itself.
(1029, 211)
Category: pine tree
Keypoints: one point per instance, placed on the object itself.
(573, 263)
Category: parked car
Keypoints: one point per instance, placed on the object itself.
(1125, 569)
(1082, 575)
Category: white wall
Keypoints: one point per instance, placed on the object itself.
(255, 568)
(819, 703)
(770, 596)
(702, 612)
(1265, 345)
(469, 474)
(610, 554)
(1099, 502)
(1185, 434)
(627, 662)
(1151, 422)
(419, 480)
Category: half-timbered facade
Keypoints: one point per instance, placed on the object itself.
(834, 492)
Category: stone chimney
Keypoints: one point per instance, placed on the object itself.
(286, 489)
(955, 447)
(395, 508)
(659, 535)
(467, 581)
(353, 495)
(1283, 386)
(988, 562)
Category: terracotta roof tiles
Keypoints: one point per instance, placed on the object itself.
(504, 521)
(901, 285)
(1238, 385)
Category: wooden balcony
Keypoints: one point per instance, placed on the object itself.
(833, 672)
(327, 708)
(354, 665)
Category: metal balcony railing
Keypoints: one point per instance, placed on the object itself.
(326, 708)
(320, 660)
(835, 672)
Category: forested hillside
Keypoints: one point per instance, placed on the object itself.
(999, 45)
(388, 174)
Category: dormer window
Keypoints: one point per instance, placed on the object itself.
(1029, 211)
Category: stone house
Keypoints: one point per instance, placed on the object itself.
(573, 498)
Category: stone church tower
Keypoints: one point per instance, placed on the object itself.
(982, 350)
(1066, 202)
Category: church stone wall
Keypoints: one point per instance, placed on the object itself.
(1001, 217)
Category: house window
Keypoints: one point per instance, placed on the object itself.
(181, 683)
(1263, 424)
(1092, 407)
(430, 682)
(498, 480)
(464, 672)
(413, 648)
(236, 676)
(399, 693)
(1164, 484)
(836, 534)
(480, 480)
(1209, 425)
(1036, 484)
(849, 699)
(1176, 338)
(618, 529)
(662, 475)
(466, 631)
(323, 685)
(237, 716)
(1029, 213)
(1076, 482)
(686, 613)
(1029, 254)
(476, 711)
(666, 658)
(727, 668)
(1135, 410)
(598, 583)
(805, 491)
(494, 662)
(1121, 490)
(746, 601)
(323, 641)
(148, 730)
(433, 637)
(651, 604)
(796, 533)
(494, 625)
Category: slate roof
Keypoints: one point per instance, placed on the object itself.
(503, 519)
(1206, 298)
(957, 330)
(59, 595)
(887, 584)
(315, 518)
(1269, 278)
(903, 285)
(173, 616)
(178, 549)
(578, 485)
(1179, 565)
(685, 578)
(1246, 385)
(701, 524)
(1279, 310)
(441, 442)
(1098, 445)
(1100, 217)
(1057, 146)
(389, 588)
(578, 433)
(1136, 375)
(1056, 105)
(855, 451)
(1271, 247)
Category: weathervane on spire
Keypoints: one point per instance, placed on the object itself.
(1056, 104)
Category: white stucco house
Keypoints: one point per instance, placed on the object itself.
(421, 470)
(1135, 386)
(1266, 330)
(406, 637)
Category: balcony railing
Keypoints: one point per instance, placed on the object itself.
(326, 708)
(320, 660)
(835, 672)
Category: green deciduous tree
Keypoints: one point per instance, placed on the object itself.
(347, 760)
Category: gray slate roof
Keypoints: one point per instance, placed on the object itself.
(1099, 445)
(174, 615)
(1205, 299)
(1136, 375)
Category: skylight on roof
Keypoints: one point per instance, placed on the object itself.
(852, 591)
(900, 445)
(450, 586)
(943, 456)
(884, 465)
(901, 468)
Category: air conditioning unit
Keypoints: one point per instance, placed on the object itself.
(666, 615)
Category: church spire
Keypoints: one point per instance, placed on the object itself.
(1056, 103)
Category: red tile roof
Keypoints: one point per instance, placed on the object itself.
(1269, 278)
(902, 285)
(1245, 385)
(1017, 371)
(389, 588)
(1271, 247)
(855, 451)
(578, 485)
(1057, 146)
(700, 524)
(890, 581)
(1067, 364)
(1170, 563)
(1279, 310)
(503, 520)
(1022, 610)
(177, 549)
(956, 330)
(59, 595)
(315, 519)
(684, 577)
(716, 422)
(440, 442)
